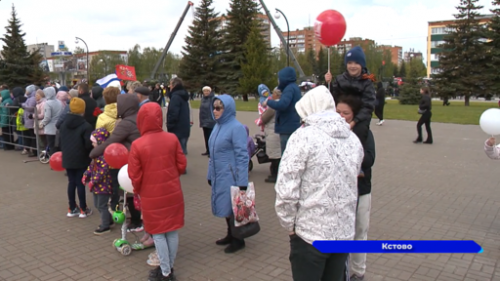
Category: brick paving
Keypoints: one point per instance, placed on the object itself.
(445, 191)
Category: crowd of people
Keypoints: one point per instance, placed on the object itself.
(319, 144)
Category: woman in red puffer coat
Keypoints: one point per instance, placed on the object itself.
(155, 164)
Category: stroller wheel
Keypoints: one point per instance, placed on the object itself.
(44, 157)
(250, 166)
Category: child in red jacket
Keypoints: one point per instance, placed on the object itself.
(155, 164)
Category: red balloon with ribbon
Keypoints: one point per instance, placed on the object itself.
(55, 162)
(329, 28)
(116, 155)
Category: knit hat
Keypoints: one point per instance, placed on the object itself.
(63, 88)
(99, 135)
(77, 106)
(143, 91)
(356, 55)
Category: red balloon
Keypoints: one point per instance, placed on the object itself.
(116, 155)
(56, 162)
(330, 27)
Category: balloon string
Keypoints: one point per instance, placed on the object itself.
(329, 66)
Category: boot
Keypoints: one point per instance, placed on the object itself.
(236, 245)
(226, 240)
(275, 164)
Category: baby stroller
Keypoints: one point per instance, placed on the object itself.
(44, 155)
(260, 151)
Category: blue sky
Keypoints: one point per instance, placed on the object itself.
(113, 26)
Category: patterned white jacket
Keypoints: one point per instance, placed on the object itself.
(316, 190)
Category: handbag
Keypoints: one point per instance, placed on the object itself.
(421, 111)
(244, 231)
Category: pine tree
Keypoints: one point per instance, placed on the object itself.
(239, 18)
(463, 58)
(257, 69)
(402, 69)
(199, 65)
(494, 49)
(18, 67)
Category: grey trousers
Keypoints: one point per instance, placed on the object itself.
(101, 204)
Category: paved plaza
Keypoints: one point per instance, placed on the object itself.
(449, 190)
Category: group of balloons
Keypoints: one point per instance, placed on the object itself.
(116, 155)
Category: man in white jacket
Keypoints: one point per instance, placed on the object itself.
(316, 190)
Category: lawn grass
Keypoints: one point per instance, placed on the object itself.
(456, 113)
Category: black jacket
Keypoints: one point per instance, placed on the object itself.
(206, 118)
(90, 106)
(425, 103)
(365, 183)
(97, 95)
(155, 96)
(75, 142)
(178, 118)
(358, 87)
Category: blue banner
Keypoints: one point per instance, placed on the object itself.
(399, 246)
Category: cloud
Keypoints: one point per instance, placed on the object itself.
(109, 25)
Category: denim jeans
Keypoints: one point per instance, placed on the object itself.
(166, 246)
(75, 184)
(101, 204)
(184, 142)
(283, 140)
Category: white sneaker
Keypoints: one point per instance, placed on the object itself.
(381, 122)
(86, 213)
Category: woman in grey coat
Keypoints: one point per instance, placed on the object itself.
(207, 122)
(52, 110)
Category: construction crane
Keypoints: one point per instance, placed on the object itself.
(165, 51)
(283, 41)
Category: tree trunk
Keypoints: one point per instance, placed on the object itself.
(467, 100)
(245, 97)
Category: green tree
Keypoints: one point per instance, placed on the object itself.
(493, 62)
(199, 67)
(395, 71)
(415, 68)
(410, 92)
(104, 64)
(402, 69)
(240, 17)
(462, 60)
(19, 67)
(256, 67)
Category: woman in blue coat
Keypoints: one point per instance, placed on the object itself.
(228, 164)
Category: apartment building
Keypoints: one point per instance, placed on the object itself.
(436, 32)
(411, 55)
(44, 49)
(302, 40)
(396, 53)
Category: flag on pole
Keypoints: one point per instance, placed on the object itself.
(104, 82)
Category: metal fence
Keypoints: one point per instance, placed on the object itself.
(14, 135)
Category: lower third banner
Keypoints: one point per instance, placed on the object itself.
(400, 246)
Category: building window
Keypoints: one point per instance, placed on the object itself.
(435, 44)
(440, 30)
(301, 50)
(434, 57)
(300, 36)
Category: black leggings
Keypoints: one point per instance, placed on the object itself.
(206, 133)
(379, 110)
(425, 119)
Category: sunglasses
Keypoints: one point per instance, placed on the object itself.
(218, 108)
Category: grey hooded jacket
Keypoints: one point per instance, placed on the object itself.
(52, 110)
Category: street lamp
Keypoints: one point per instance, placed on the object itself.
(88, 66)
(277, 16)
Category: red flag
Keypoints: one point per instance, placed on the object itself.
(125, 72)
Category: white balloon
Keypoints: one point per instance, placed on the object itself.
(124, 180)
(490, 121)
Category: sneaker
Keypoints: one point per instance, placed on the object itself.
(25, 151)
(133, 228)
(101, 231)
(354, 277)
(380, 123)
(86, 213)
(73, 213)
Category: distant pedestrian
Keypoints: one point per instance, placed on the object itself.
(424, 109)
